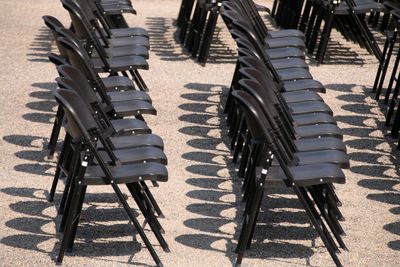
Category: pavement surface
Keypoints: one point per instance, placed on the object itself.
(201, 200)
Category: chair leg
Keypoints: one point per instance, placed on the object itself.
(318, 224)
(136, 224)
(392, 79)
(326, 33)
(248, 221)
(152, 200)
(76, 221)
(71, 174)
(76, 192)
(198, 34)
(56, 131)
(58, 169)
(143, 205)
(306, 15)
(380, 67)
(139, 80)
(209, 33)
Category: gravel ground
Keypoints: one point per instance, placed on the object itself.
(201, 201)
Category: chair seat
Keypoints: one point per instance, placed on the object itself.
(118, 64)
(134, 50)
(316, 131)
(118, 96)
(313, 118)
(286, 33)
(286, 52)
(305, 84)
(289, 63)
(133, 107)
(113, 83)
(124, 174)
(137, 155)
(301, 96)
(310, 107)
(284, 42)
(324, 156)
(131, 141)
(128, 41)
(362, 8)
(294, 74)
(317, 144)
(129, 32)
(117, 10)
(305, 175)
(130, 126)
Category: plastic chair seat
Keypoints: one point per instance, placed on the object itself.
(133, 107)
(285, 42)
(317, 144)
(294, 74)
(128, 41)
(137, 155)
(317, 131)
(128, 32)
(301, 96)
(113, 83)
(285, 52)
(134, 50)
(313, 118)
(286, 33)
(324, 156)
(127, 173)
(140, 140)
(289, 63)
(118, 64)
(130, 126)
(310, 107)
(305, 175)
(118, 96)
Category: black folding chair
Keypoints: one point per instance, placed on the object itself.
(81, 128)
(308, 182)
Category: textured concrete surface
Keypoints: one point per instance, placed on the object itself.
(201, 201)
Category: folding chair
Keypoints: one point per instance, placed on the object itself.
(81, 127)
(308, 183)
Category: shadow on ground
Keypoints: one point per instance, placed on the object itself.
(374, 157)
(216, 190)
(163, 43)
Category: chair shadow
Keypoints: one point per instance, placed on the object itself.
(163, 42)
(375, 156)
(107, 235)
(216, 189)
(41, 46)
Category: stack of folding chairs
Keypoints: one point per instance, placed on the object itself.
(102, 103)
(282, 133)
(196, 26)
(390, 62)
(316, 18)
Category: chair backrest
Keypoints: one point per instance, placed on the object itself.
(79, 58)
(282, 132)
(57, 59)
(258, 127)
(83, 88)
(81, 20)
(54, 25)
(79, 121)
